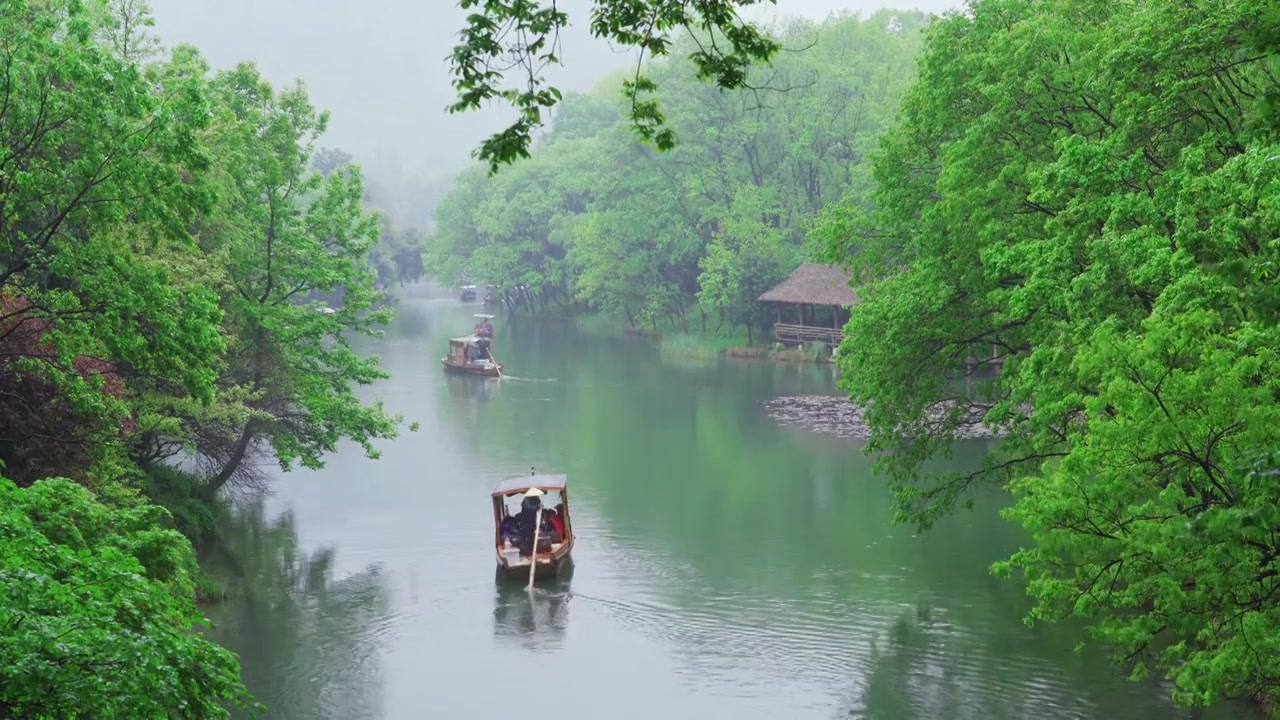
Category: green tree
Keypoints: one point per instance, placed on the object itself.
(93, 156)
(1267, 40)
(398, 256)
(748, 256)
(1083, 188)
(603, 220)
(281, 237)
(454, 238)
(328, 160)
(97, 613)
(124, 27)
(286, 234)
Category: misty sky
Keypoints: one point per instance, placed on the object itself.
(380, 67)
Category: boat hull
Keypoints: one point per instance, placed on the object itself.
(491, 371)
(553, 567)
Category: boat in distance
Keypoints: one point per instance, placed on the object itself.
(471, 355)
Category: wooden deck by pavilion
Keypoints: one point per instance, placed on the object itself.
(813, 287)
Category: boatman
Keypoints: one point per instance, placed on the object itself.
(528, 519)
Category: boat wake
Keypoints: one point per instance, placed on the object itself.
(524, 379)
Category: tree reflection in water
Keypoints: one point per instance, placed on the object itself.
(412, 320)
(925, 667)
(922, 667)
(536, 621)
(902, 670)
(308, 645)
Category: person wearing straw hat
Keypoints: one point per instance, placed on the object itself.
(529, 517)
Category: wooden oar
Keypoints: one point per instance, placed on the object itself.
(533, 554)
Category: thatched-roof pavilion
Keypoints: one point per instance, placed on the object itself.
(812, 286)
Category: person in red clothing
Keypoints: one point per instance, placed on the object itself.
(557, 522)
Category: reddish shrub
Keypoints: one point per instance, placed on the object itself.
(41, 432)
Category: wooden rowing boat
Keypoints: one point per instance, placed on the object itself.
(471, 355)
(540, 501)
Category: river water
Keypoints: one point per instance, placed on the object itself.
(725, 567)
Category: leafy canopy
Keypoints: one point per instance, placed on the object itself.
(523, 36)
(596, 219)
(93, 157)
(97, 614)
(1089, 192)
(287, 249)
(173, 276)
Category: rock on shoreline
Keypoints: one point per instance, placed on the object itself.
(835, 415)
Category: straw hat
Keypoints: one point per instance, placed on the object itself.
(533, 492)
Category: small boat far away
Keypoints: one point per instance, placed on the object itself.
(540, 514)
(471, 355)
(468, 293)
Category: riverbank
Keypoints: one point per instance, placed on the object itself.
(709, 345)
(194, 514)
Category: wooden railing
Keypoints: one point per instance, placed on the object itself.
(787, 333)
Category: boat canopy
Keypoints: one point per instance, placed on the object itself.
(525, 482)
(484, 317)
(466, 340)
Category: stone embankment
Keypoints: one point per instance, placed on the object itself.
(835, 415)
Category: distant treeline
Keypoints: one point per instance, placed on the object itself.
(598, 220)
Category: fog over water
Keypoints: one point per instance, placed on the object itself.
(381, 68)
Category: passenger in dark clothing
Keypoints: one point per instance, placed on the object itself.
(511, 529)
(528, 516)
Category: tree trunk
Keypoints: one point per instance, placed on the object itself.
(555, 296)
(233, 463)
